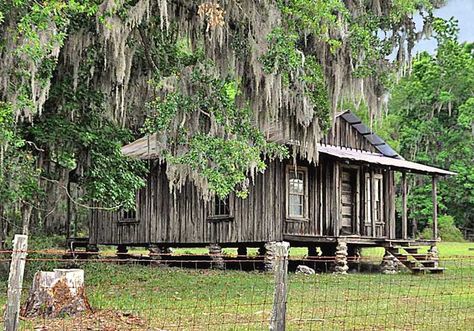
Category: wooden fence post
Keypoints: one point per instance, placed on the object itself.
(15, 282)
(278, 318)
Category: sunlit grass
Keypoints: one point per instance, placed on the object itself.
(176, 299)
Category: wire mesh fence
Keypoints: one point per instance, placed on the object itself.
(187, 292)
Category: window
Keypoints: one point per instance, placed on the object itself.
(368, 199)
(377, 202)
(378, 187)
(297, 190)
(220, 210)
(221, 206)
(129, 214)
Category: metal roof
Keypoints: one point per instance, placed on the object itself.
(374, 139)
(380, 159)
(148, 148)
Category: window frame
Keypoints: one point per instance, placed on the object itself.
(304, 170)
(127, 220)
(368, 198)
(213, 217)
(369, 204)
(379, 197)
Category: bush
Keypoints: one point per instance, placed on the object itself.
(447, 230)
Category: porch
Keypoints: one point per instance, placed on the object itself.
(354, 199)
(362, 241)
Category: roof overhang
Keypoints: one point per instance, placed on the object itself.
(381, 160)
(144, 148)
(147, 148)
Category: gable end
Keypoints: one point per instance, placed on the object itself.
(349, 131)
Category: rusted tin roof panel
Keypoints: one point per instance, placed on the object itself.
(380, 159)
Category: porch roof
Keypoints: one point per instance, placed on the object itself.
(379, 159)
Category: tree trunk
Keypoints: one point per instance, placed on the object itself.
(57, 293)
(26, 216)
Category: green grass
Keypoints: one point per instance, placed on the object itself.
(173, 298)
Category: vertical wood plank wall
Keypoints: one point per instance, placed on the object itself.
(164, 217)
(343, 134)
(182, 217)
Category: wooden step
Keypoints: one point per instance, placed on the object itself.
(409, 264)
(427, 263)
(401, 257)
(421, 256)
(411, 250)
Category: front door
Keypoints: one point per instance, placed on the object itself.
(348, 200)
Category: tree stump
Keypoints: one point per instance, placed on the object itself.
(57, 293)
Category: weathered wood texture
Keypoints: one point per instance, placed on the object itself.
(57, 293)
(15, 283)
(184, 218)
(278, 318)
(343, 134)
(340, 201)
(163, 217)
(404, 206)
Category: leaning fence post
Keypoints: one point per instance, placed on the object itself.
(15, 282)
(278, 318)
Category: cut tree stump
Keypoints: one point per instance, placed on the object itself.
(57, 293)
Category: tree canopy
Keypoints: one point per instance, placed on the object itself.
(223, 85)
(431, 117)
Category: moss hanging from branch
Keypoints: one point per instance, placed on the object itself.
(293, 62)
(207, 136)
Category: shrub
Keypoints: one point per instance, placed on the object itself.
(446, 227)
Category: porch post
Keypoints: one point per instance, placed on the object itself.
(404, 208)
(435, 207)
(372, 204)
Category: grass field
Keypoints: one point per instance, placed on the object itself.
(127, 297)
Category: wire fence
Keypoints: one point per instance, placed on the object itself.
(187, 292)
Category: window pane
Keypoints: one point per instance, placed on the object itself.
(221, 207)
(217, 207)
(296, 199)
(296, 192)
(296, 210)
(296, 184)
(296, 205)
(129, 214)
(378, 189)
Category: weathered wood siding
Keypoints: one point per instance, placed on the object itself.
(343, 134)
(322, 213)
(182, 218)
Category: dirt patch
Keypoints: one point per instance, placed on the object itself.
(103, 320)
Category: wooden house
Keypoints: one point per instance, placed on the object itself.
(348, 197)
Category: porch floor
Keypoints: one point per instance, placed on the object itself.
(357, 240)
